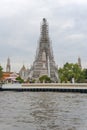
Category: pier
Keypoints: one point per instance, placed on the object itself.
(46, 87)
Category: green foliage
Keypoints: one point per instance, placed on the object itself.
(85, 73)
(32, 80)
(20, 80)
(1, 73)
(70, 71)
(45, 79)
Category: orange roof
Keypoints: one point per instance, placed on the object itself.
(6, 74)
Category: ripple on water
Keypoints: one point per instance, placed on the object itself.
(43, 111)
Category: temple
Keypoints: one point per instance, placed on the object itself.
(44, 63)
(79, 62)
(8, 66)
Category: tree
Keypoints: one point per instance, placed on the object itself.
(45, 79)
(1, 73)
(70, 71)
(20, 80)
(85, 74)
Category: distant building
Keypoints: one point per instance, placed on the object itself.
(6, 74)
(10, 77)
(79, 62)
(8, 66)
(24, 73)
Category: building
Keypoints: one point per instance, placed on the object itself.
(10, 77)
(44, 63)
(8, 66)
(24, 73)
(79, 62)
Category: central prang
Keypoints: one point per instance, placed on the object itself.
(44, 64)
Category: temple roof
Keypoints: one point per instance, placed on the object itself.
(23, 68)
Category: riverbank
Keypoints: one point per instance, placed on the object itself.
(54, 85)
(46, 87)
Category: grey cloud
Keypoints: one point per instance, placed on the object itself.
(20, 30)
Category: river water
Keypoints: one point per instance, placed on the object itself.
(43, 111)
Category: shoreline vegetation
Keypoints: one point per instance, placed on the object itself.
(69, 73)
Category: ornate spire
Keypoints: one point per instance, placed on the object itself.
(44, 30)
(8, 67)
(44, 62)
(79, 62)
(44, 43)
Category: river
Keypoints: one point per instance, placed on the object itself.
(43, 111)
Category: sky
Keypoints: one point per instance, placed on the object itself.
(20, 22)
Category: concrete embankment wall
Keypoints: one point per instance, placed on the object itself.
(55, 85)
(49, 87)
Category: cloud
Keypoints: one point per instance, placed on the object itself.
(20, 22)
(76, 37)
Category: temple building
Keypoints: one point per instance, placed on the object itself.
(8, 75)
(8, 66)
(79, 62)
(24, 73)
(44, 63)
